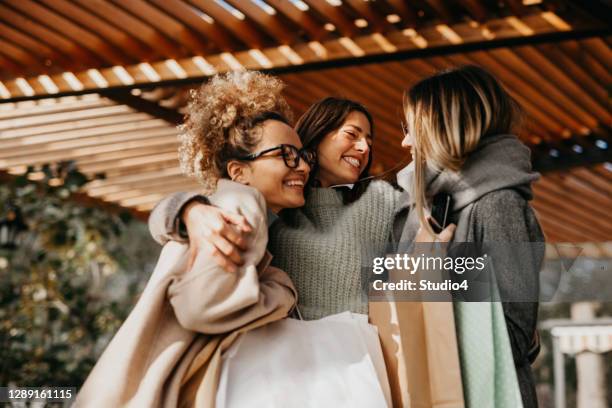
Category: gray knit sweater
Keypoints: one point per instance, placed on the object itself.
(321, 246)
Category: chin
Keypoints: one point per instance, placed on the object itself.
(295, 203)
(352, 179)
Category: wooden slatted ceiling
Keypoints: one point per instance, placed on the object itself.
(563, 87)
(57, 38)
(138, 152)
(139, 159)
(560, 96)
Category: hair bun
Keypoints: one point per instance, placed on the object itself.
(217, 107)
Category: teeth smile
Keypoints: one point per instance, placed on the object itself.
(352, 161)
(293, 183)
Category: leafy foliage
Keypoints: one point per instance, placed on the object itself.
(67, 288)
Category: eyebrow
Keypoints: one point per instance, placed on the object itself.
(359, 129)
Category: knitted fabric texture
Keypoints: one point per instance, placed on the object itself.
(321, 246)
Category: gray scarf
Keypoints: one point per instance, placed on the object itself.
(499, 161)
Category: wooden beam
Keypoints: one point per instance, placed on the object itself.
(126, 98)
(377, 22)
(26, 60)
(166, 24)
(313, 29)
(133, 49)
(147, 127)
(37, 47)
(132, 162)
(596, 9)
(20, 128)
(443, 13)
(522, 62)
(124, 21)
(220, 37)
(69, 103)
(272, 24)
(244, 30)
(81, 56)
(72, 31)
(316, 65)
(571, 196)
(52, 154)
(336, 16)
(46, 123)
(565, 81)
(560, 155)
(476, 9)
(402, 8)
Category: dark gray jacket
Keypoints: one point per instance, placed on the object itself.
(491, 197)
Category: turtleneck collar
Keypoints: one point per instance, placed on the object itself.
(326, 196)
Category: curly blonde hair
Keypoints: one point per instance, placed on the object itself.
(223, 122)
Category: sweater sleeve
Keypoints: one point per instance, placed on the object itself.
(505, 219)
(208, 299)
(165, 223)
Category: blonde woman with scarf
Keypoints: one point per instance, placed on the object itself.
(460, 125)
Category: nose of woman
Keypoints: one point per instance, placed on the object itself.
(303, 168)
(407, 142)
(362, 146)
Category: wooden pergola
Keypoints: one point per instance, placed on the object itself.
(104, 83)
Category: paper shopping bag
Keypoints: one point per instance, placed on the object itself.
(294, 364)
(420, 349)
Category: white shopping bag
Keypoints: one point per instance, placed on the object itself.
(331, 362)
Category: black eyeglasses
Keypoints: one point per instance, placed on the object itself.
(291, 155)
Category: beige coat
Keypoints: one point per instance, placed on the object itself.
(168, 351)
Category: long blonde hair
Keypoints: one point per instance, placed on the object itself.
(447, 114)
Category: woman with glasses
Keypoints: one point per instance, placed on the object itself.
(237, 142)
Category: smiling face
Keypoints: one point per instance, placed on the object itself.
(344, 153)
(281, 186)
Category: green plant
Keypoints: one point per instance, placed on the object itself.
(66, 289)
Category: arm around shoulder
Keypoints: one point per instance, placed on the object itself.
(208, 299)
(165, 222)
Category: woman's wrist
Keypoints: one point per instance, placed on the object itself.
(183, 214)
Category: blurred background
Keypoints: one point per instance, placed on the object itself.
(91, 92)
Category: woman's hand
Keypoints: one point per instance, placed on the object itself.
(220, 234)
(444, 236)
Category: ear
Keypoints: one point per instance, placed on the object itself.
(239, 171)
